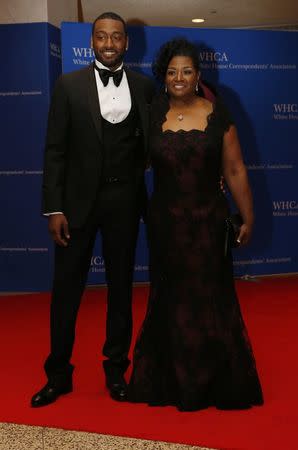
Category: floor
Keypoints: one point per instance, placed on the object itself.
(23, 437)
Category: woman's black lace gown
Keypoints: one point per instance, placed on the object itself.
(193, 350)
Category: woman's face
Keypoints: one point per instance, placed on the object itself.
(181, 77)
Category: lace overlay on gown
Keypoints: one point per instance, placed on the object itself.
(192, 350)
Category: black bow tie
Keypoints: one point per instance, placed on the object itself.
(106, 74)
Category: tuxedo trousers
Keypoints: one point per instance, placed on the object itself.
(116, 216)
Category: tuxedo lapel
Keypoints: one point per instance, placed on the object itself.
(94, 102)
(136, 90)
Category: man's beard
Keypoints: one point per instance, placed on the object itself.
(110, 62)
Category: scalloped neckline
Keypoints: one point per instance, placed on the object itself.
(209, 117)
(185, 131)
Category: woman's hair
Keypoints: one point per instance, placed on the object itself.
(172, 48)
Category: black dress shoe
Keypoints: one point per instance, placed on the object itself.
(117, 387)
(49, 393)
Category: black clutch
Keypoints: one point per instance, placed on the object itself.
(232, 229)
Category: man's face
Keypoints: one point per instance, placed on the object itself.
(109, 42)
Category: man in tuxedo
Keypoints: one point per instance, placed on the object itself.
(94, 181)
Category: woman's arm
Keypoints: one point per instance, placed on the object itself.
(235, 175)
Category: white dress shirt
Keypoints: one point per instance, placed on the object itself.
(114, 102)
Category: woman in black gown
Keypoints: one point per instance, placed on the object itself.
(193, 350)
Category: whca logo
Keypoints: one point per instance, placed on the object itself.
(285, 108)
(285, 205)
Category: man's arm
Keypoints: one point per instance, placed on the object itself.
(151, 89)
(55, 150)
(54, 165)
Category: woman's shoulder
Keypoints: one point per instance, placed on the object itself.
(222, 114)
(205, 104)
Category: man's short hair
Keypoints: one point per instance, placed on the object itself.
(110, 15)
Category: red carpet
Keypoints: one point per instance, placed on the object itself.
(270, 308)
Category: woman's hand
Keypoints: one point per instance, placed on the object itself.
(235, 175)
(244, 234)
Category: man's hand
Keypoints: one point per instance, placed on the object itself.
(58, 228)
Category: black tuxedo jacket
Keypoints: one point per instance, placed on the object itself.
(74, 143)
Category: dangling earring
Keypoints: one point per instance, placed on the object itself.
(197, 87)
(166, 89)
